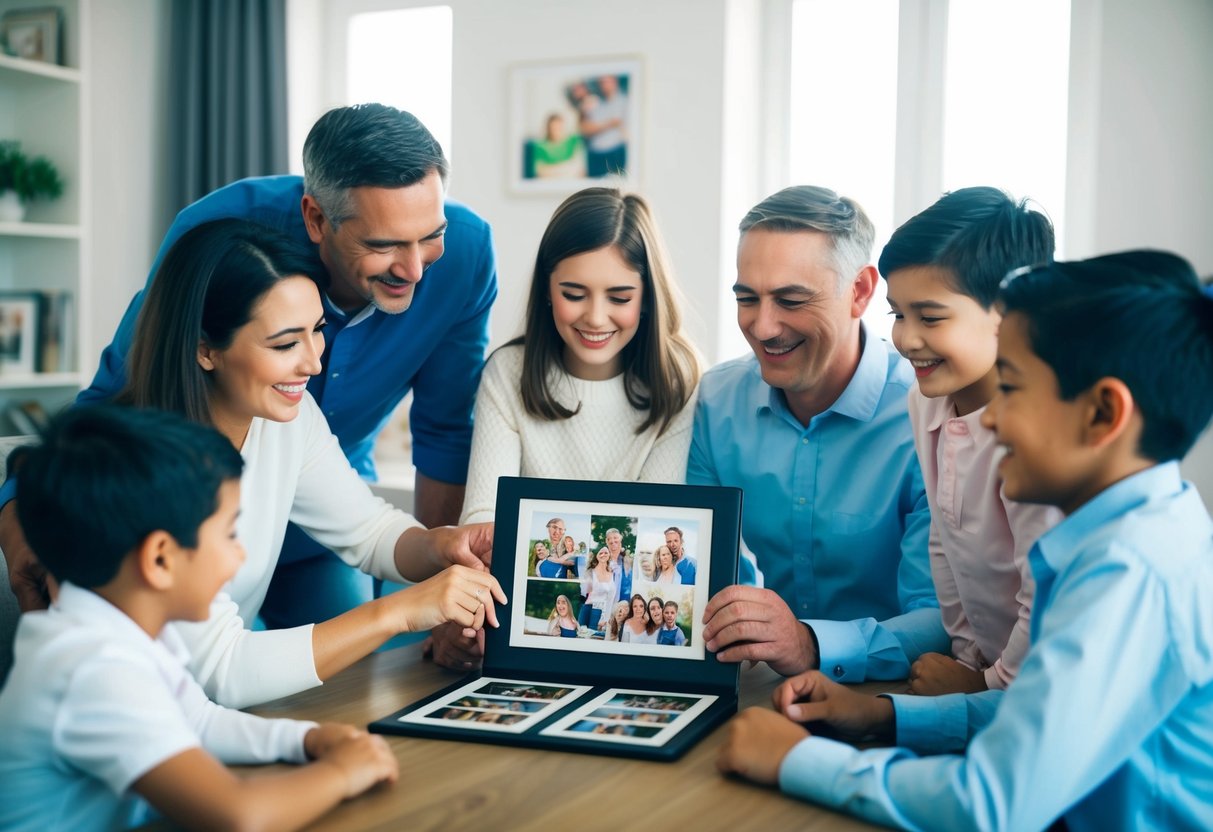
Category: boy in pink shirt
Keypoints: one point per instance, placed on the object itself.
(943, 268)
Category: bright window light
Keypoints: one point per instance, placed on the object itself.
(1005, 99)
(414, 77)
(843, 111)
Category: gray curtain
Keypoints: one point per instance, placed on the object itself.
(228, 94)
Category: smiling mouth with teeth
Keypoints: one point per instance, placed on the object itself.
(778, 349)
(594, 337)
(290, 388)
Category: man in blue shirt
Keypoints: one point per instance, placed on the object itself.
(1109, 724)
(412, 277)
(813, 427)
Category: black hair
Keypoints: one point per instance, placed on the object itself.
(977, 234)
(366, 145)
(1138, 316)
(205, 290)
(105, 477)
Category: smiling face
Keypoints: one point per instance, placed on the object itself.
(555, 532)
(638, 608)
(602, 558)
(570, 546)
(674, 541)
(621, 612)
(654, 610)
(264, 371)
(614, 541)
(379, 254)
(951, 341)
(596, 299)
(214, 561)
(1042, 435)
(668, 614)
(804, 332)
(665, 559)
(562, 607)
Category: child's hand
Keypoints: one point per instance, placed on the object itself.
(464, 596)
(813, 697)
(935, 674)
(318, 741)
(756, 743)
(363, 759)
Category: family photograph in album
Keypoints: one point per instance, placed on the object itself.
(601, 647)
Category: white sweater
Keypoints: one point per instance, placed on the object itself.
(292, 471)
(598, 443)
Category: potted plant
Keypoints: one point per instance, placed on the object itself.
(23, 179)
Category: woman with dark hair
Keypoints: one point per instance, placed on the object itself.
(601, 384)
(639, 627)
(230, 332)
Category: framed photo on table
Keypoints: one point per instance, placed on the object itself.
(20, 342)
(573, 125)
(577, 666)
(33, 34)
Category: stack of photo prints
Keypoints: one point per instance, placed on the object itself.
(601, 648)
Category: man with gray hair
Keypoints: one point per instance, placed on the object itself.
(813, 427)
(411, 277)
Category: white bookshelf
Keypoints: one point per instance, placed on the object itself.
(45, 107)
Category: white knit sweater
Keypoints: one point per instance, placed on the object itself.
(598, 443)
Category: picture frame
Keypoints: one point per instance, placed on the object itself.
(20, 337)
(575, 124)
(33, 34)
(585, 686)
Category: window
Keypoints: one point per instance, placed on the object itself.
(843, 111)
(403, 58)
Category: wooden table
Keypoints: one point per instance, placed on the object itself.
(447, 785)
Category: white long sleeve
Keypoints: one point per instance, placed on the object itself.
(598, 443)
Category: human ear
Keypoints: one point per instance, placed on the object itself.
(206, 356)
(154, 561)
(862, 289)
(1111, 411)
(313, 218)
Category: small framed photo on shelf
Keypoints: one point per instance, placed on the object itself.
(33, 34)
(573, 125)
(19, 333)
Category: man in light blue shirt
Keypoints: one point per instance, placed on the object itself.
(1109, 724)
(813, 427)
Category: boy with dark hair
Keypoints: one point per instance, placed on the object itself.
(670, 633)
(1104, 367)
(943, 268)
(134, 513)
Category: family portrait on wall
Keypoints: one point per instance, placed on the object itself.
(574, 125)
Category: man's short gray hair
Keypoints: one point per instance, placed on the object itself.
(813, 208)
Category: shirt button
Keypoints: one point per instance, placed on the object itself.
(838, 671)
(801, 501)
(331, 412)
(804, 441)
(334, 375)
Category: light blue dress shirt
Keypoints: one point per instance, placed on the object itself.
(834, 512)
(1110, 721)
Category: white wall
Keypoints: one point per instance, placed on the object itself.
(129, 46)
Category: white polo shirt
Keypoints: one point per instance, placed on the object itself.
(93, 703)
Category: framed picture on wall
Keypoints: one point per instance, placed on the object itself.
(575, 124)
(19, 337)
(33, 34)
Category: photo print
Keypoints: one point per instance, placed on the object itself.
(504, 705)
(609, 578)
(631, 716)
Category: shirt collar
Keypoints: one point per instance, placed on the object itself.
(358, 317)
(861, 396)
(1063, 543)
(101, 615)
(941, 410)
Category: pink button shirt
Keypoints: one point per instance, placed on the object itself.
(979, 540)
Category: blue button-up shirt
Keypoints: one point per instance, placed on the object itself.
(1110, 721)
(371, 359)
(834, 512)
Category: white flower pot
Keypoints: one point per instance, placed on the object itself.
(12, 209)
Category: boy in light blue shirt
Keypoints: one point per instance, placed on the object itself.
(1104, 370)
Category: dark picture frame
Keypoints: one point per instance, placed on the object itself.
(618, 691)
(20, 333)
(33, 34)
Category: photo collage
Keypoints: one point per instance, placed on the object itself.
(512, 706)
(628, 580)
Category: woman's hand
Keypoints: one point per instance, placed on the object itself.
(457, 594)
(422, 553)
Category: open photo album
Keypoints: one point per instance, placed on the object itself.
(601, 647)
